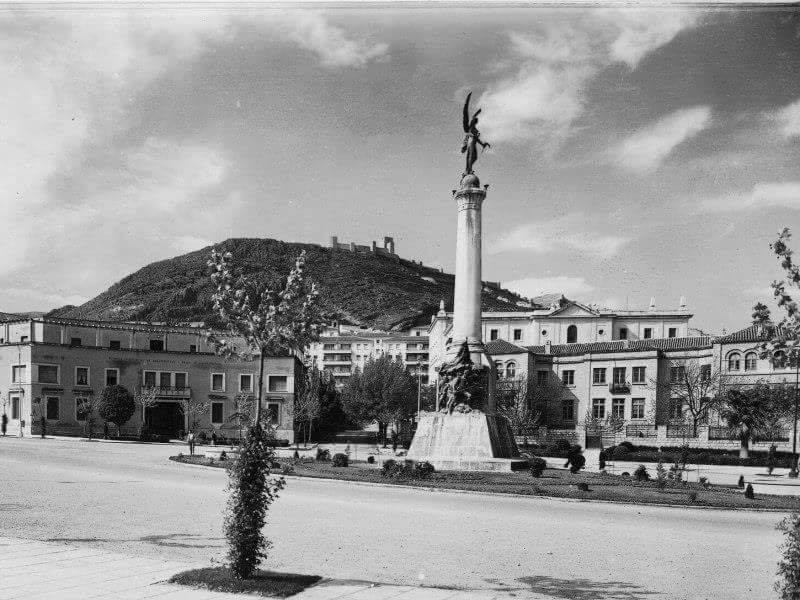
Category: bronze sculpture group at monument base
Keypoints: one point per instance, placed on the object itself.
(465, 432)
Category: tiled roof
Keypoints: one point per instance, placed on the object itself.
(687, 343)
(503, 347)
(748, 334)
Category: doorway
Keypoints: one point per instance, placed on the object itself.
(165, 419)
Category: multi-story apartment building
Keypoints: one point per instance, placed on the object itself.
(342, 349)
(564, 322)
(49, 365)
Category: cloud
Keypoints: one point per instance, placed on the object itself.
(310, 30)
(788, 119)
(646, 149)
(556, 61)
(568, 232)
(535, 286)
(763, 195)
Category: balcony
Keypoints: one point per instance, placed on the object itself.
(169, 392)
(619, 387)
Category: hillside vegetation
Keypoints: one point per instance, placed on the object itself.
(366, 289)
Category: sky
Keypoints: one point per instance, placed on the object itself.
(636, 152)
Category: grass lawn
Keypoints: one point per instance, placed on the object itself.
(557, 483)
(263, 583)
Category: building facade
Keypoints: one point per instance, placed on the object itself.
(48, 366)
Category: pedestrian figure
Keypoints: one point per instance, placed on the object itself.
(22, 428)
(213, 438)
(190, 440)
(575, 459)
(105, 430)
(771, 458)
(43, 423)
(4, 423)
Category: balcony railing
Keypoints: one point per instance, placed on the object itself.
(681, 431)
(620, 387)
(170, 392)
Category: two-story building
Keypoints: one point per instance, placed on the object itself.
(49, 366)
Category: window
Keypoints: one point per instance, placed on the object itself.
(112, 376)
(572, 334)
(568, 377)
(498, 366)
(618, 408)
(114, 344)
(157, 345)
(541, 377)
(750, 361)
(180, 381)
(511, 370)
(598, 376)
(623, 333)
(648, 333)
(149, 379)
(15, 408)
(677, 374)
(52, 408)
(218, 382)
(274, 413)
(48, 374)
(278, 383)
(18, 373)
(192, 348)
(517, 335)
(676, 408)
(638, 375)
(734, 359)
(217, 415)
(619, 375)
(598, 408)
(637, 408)
(779, 359)
(164, 380)
(567, 410)
(705, 372)
(493, 334)
(81, 375)
(672, 332)
(245, 382)
(75, 342)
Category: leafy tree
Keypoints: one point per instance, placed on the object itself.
(243, 405)
(86, 409)
(308, 400)
(695, 389)
(280, 321)
(754, 409)
(516, 401)
(116, 405)
(384, 392)
(195, 409)
(146, 398)
(788, 584)
(332, 418)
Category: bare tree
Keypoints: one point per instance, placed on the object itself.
(516, 401)
(307, 403)
(242, 415)
(194, 410)
(694, 389)
(146, 398)
(86, 408)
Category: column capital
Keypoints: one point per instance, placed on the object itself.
(470, 198)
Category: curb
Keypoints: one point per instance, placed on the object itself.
(513, 495)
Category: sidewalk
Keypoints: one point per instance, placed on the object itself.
(59, 571)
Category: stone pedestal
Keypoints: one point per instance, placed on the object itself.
(471, 441)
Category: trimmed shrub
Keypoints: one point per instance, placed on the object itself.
(251, 492)
(201, 437)
(582, 486)
(323, 454)
(389, 468)
(748, 492)
(371, 459)
(624, 474)
(741, 482)
(223, 455)
(620, 452)
(537, 466)
(692, 496)
(661, 474)
(641, 474)
(576, 461)
(287, 469)
(340, 460)
(422, 470)
(629, 447)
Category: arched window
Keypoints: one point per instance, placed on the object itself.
(572, 334)
(498, 366)
(750, 361)
(511, 370)
(734, 361)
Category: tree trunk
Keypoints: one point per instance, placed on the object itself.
(260, 386)
(744, 449)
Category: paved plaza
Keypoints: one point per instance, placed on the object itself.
(127, 505)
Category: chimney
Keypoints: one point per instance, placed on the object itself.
(682, 303)
(352, 246)
(334, 242)
(374, 246)
(652, 303)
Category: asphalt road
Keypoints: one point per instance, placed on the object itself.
(130, 498)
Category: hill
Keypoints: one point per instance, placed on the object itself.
(371, 290)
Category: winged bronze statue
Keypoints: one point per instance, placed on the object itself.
(472, 137)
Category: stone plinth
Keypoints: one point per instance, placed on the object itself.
(471, 441)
